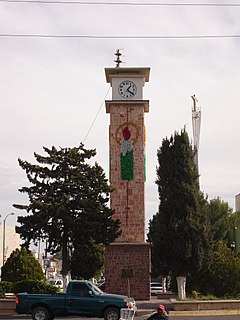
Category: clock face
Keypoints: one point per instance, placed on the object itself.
(127, 89)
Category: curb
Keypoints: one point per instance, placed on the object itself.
(144, 314)
(7, 312)
(205, 313)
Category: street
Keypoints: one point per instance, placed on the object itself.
(223, 317)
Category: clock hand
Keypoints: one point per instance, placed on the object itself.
(129, 90)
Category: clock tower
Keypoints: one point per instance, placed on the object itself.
(127, 260)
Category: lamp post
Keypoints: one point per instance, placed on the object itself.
(4, 226)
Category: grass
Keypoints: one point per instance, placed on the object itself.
(202, 297)
(196, 296)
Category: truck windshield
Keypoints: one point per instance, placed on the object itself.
(95, 288)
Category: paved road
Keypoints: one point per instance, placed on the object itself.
(225, 317)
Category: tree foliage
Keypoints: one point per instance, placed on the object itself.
(224, 273)
(21, 265)
(68, 202)
(180, 231)
(234, 220)
(223, 276)
(221, 218)
(87, 261)
(35, 286)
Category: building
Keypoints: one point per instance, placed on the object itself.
(237, 202)
(12, 241)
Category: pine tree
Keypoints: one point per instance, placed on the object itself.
(180, 230)
(21, 265)
(68, 202)
(87, 261)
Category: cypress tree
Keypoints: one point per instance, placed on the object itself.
(180, 230)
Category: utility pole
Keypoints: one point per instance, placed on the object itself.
(4, 236)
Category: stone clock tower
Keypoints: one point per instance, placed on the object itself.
(127, 260)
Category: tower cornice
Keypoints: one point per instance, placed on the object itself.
(142, 72)
(140, 103)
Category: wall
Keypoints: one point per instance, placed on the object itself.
(127, 199)
(12, 242)
(127, 269)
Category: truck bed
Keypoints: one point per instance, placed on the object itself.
(27, 302)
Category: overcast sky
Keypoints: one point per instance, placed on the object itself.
(52, 89)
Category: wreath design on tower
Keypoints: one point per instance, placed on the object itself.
(132, 127)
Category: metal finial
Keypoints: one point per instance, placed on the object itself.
(195, 100)
(118, 60)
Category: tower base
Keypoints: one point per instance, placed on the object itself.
(127, 269)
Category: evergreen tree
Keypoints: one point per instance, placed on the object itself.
(223, 276)
(180, 230)
(221, 217)
(87, 261)
(21, 265)
(234, 220)
(67, 202)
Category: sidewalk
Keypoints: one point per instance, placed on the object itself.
(146, 308)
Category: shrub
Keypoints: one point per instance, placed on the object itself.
(34, 286)
(195, 294)
(222, 279)
(22, 265)
(5, 286)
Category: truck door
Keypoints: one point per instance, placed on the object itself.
(80, 302)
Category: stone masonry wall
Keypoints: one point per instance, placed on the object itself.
(128, 197)
(127, 270)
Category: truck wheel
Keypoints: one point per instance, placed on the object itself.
(111, 314)
(40, 313)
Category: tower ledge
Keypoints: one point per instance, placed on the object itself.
(116, 72)
(144, 103)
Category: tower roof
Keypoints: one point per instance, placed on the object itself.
(123, 72)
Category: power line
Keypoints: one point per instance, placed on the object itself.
(78, 36)
(124, 3)
(95, 118)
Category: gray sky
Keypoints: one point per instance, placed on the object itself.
(53, 88)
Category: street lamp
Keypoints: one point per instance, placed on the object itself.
(4, 225)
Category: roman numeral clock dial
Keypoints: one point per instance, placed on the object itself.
(127, 89)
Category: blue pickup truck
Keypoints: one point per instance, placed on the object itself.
(82, 298)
